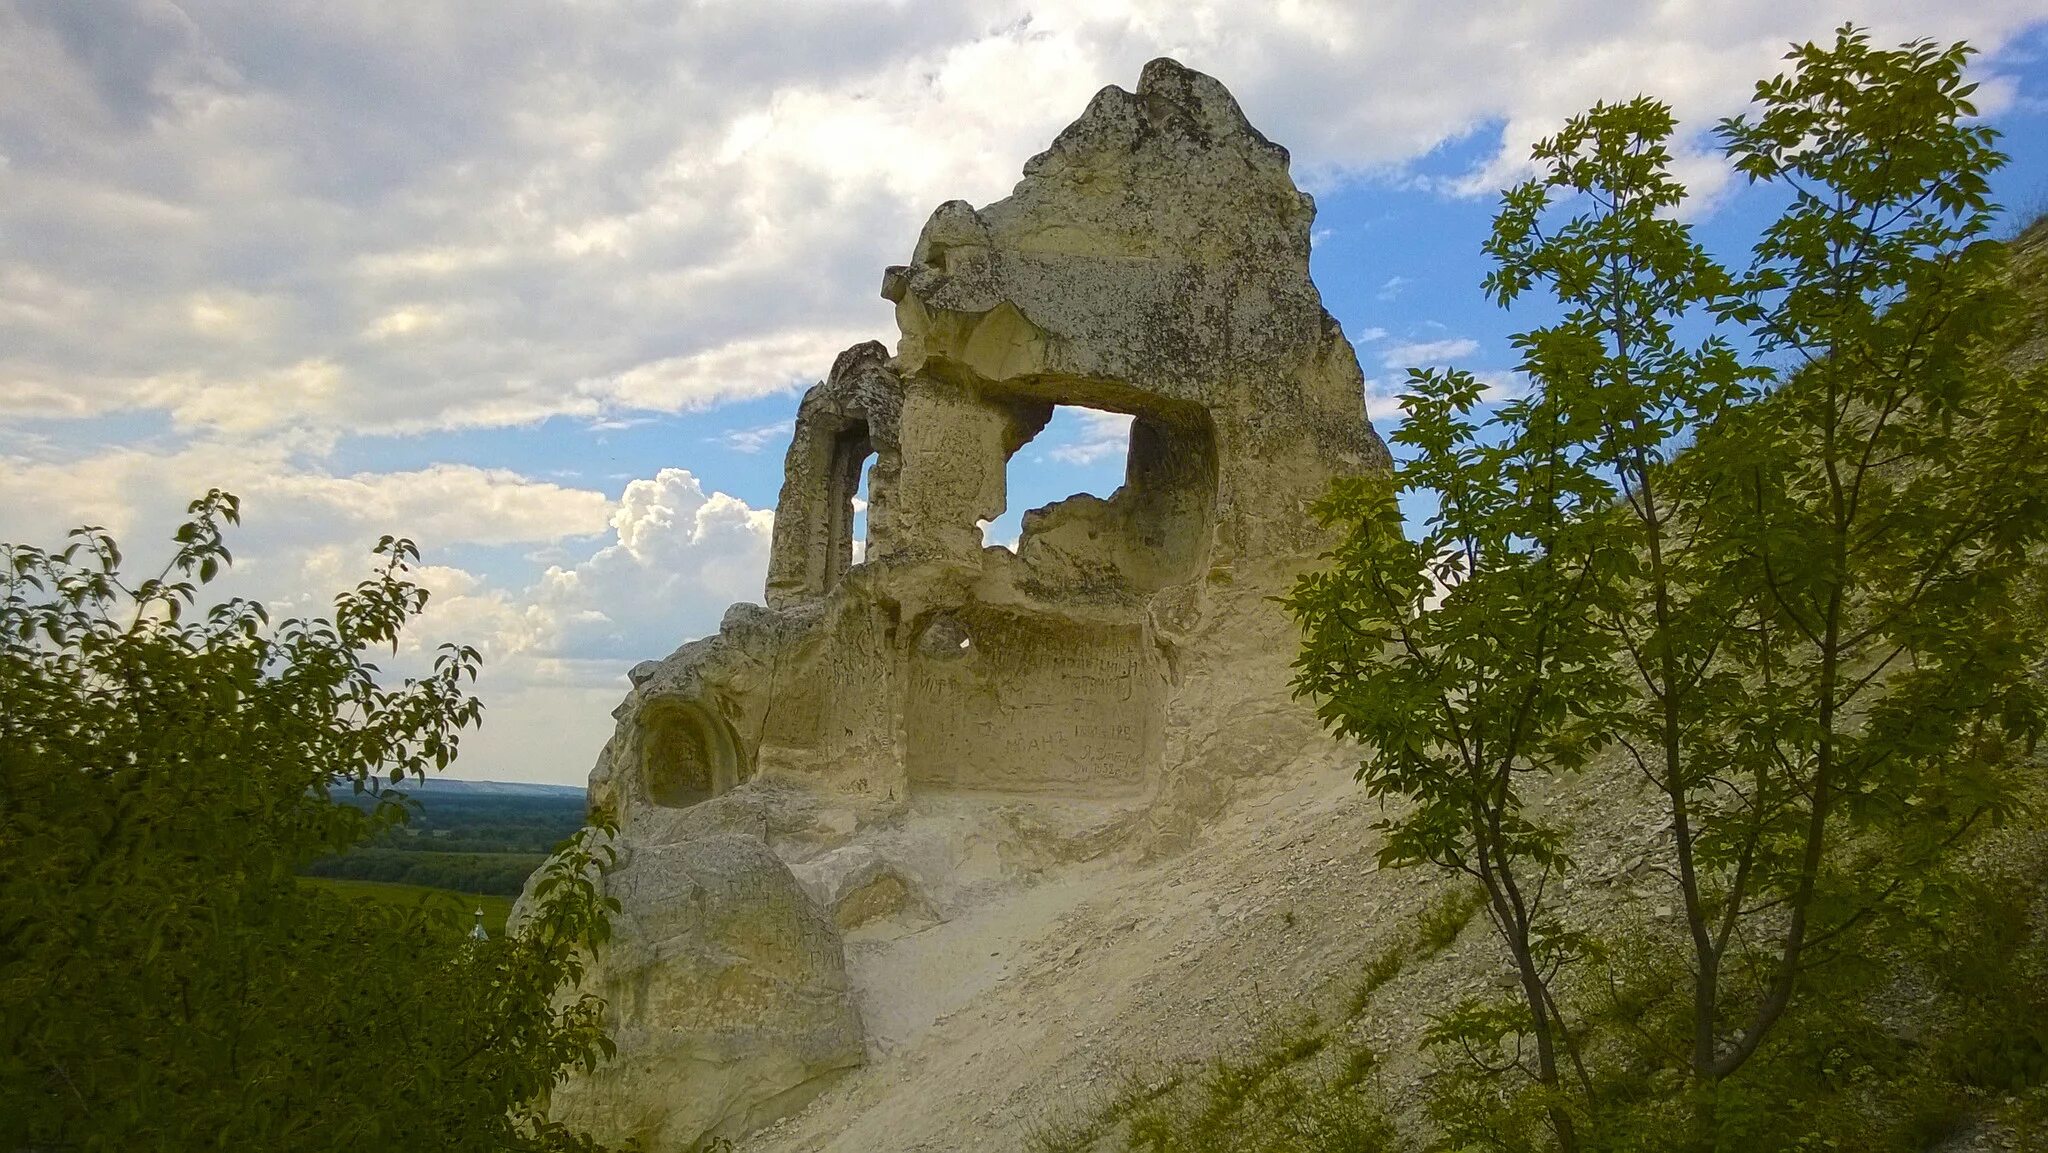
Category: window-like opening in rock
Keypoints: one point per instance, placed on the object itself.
(1111, 499)
(1080, 451)
(860, 512)
(687, 754)
(852, 449)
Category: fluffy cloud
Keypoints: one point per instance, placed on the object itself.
(555, 651)
(657, 567)
(679, 556)
(361, 217)
(288, 505)
(675, 557)
(1102, 435)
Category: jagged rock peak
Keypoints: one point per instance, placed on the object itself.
(1173, 103)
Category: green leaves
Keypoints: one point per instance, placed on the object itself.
(1805, 606)
(1889, 188)
(165, 982)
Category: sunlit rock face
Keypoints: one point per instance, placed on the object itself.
(912, 731)
(728, 994)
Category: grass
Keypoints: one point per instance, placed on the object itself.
(1273, 1096)
(1439, 925)
(495, 908)
(1435, 929)
(1295, 1089)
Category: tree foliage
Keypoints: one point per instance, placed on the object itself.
(165, 981)
(1782, 566)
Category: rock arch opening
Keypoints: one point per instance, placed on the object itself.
(852, 449)
(1145, 510)
(1079, 453)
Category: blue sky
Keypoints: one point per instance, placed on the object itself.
(539, 284)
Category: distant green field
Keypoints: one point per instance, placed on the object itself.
(495, 908)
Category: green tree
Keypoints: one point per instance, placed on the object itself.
(1465, 660)
(165, 981)
(1795, 600)
(1628, 273)
(1876, 514)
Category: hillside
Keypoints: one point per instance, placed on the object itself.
(1028, 1010)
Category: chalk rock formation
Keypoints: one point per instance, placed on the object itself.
(728, 994)
(1118, 670)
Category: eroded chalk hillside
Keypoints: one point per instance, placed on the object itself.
(1031, 1008)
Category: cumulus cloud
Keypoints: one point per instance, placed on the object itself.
(638, 576)
(673, 558)
(556, 650)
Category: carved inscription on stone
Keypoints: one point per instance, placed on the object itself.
(1035, 704)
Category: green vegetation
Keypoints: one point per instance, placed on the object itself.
(1797, 601)
(459, 836)
(496, 908)
(1912, 1034)
(166, 982)
(1435, 930)
(452, 818)
(501, 874)
(1294, 1090)
(1276, 1098)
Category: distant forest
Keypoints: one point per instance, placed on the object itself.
(469, 838)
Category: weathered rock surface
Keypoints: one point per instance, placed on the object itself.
(726, 992)
(917, 731)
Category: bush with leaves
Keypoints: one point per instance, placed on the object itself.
(165, 980)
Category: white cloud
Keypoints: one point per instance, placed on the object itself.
(446, 224)
(740, 370)
(1500, 386)
(670, 559)
(1102, 435)
(235, 235)
(556, 650)
(1383, 394)
(1383, 402)
(982, 527)
(287, 503)
(404, 321)
(753, 440)
(679, 556)
(1421, 354)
